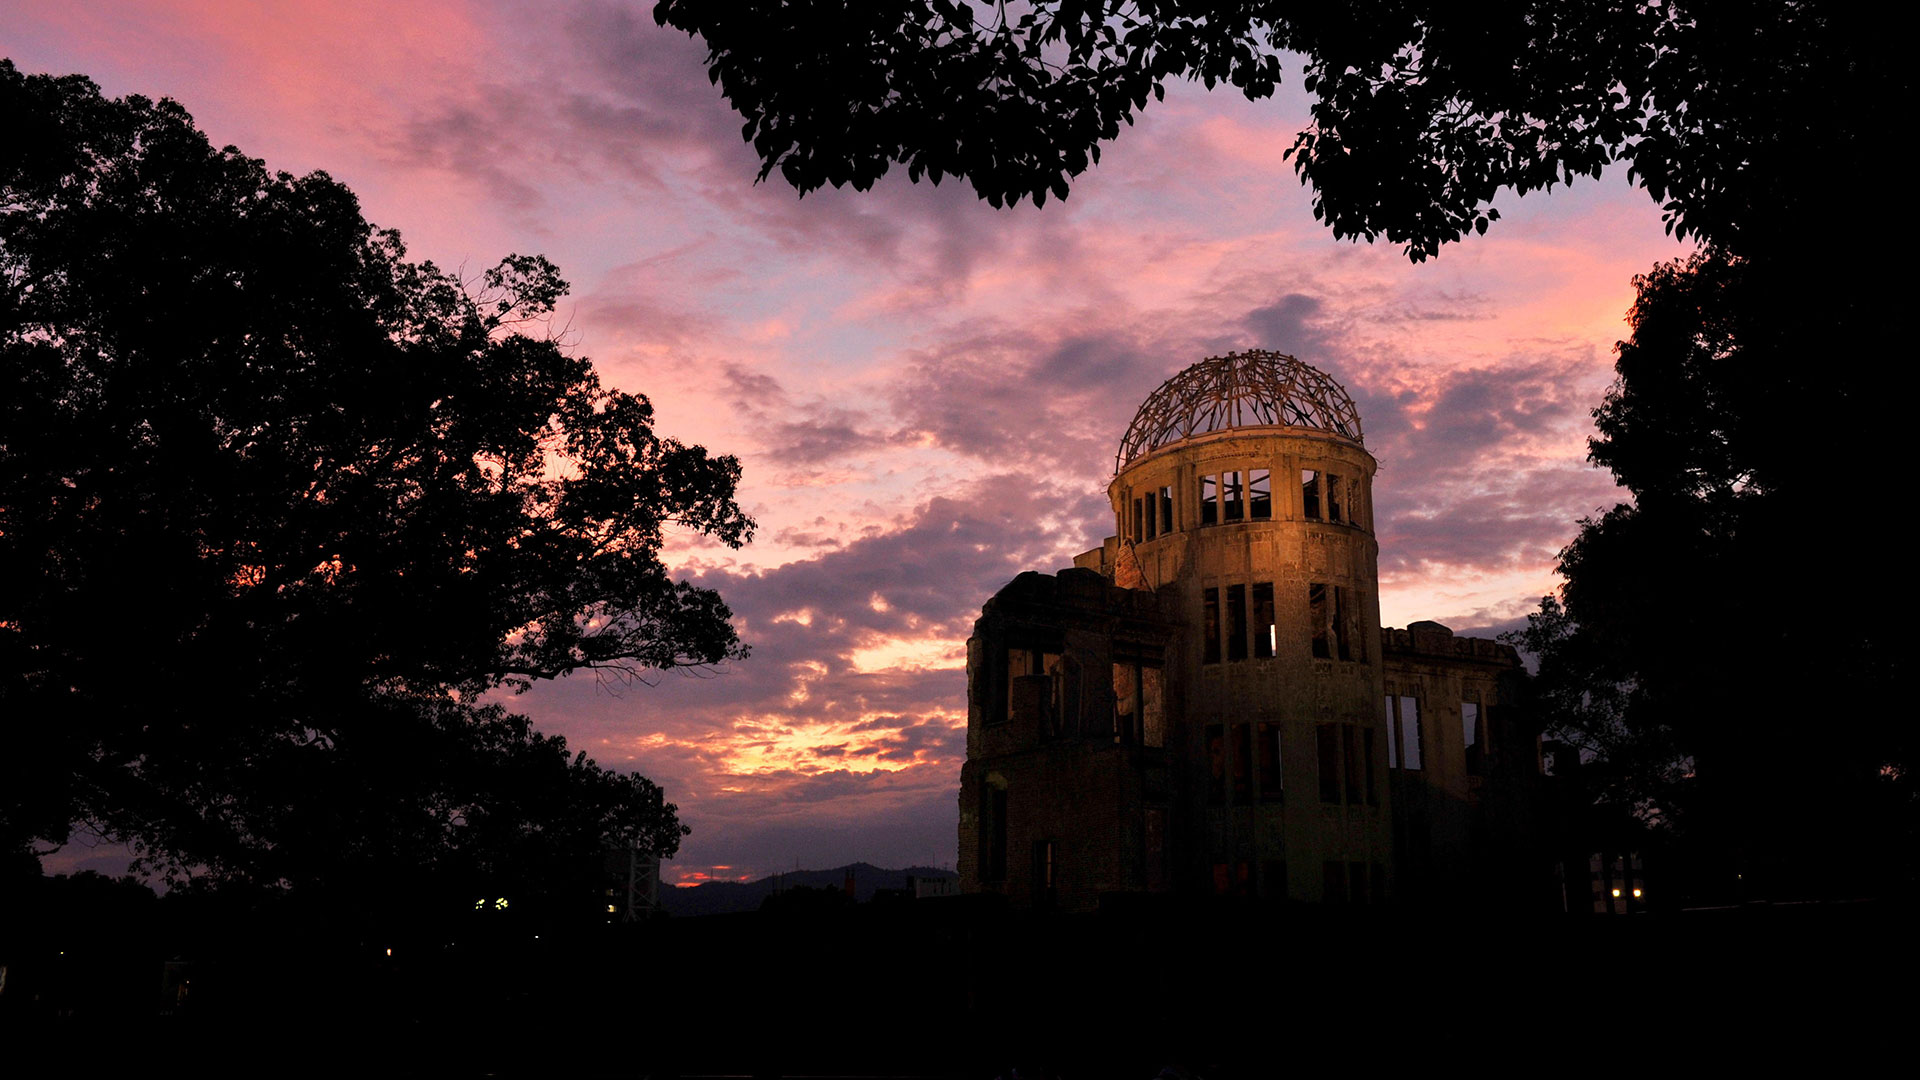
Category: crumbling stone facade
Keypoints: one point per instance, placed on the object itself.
(1207, 702)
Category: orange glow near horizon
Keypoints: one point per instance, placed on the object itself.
(924, 393)
(785, 745)
(688, 878)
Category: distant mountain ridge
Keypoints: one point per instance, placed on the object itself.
(723, 897)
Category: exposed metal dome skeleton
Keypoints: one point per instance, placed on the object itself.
(1256, 388)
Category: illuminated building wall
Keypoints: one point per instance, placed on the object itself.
(1207, 703)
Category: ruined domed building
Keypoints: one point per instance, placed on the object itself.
(1207, 702)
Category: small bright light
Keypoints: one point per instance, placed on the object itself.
(389, 952)
(1616, 893)
(500, 904)
(610, 909)
(1636, 892)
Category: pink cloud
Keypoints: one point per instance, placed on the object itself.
(925, 392)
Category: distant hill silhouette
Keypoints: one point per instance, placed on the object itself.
(722, 897)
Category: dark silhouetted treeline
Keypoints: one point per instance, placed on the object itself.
(959, 987)
(278, 506)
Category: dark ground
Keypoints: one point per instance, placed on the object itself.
(951, 988)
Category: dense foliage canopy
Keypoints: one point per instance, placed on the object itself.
(1422, 111)
(1724, 651)
(276, 504)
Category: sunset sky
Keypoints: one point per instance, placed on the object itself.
(925, 392)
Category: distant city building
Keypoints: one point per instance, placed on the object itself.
(1207, 703)
(927, 888)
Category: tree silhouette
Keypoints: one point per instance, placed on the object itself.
(274, 499)
(1751, 401)
(1422, 112)
(1732, 618)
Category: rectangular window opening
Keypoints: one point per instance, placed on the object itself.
(1393, 744)
(1470, 733)
(1333, 499)
(1166, 510)
(1232, 879)
(1265, 635)
(1343, 625)
(1350, 748)
(1242, 764)
(1317, 619)
(1327, 742)
(1409, 708)
(1139, 520)
(1019, 662)
(1233, 496)
(1310, 494)
(1209, 500)
(1236, 622)
(1270, 780)
(1035, 682)
(1260, 494)
(1212, 631)
(1061, 709)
